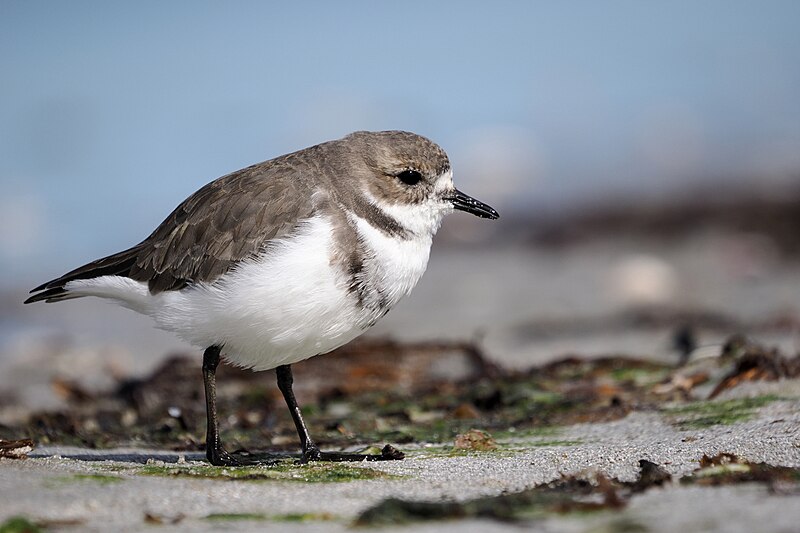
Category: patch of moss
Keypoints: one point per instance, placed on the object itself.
(19, 524)
(254, 396)
(622, 525)
(285, 471)
(546, 397)
(101, 479)
(497, 452)
(446, 450)
(289, 517)
(700, 415)
(236, 516)
(114, 467)
(303, 517)
(435, 431)
(639, 375)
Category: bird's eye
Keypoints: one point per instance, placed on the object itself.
(410, 177)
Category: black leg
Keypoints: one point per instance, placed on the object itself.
(215, 453)
(311, 451)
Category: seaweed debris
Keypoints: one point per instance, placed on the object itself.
(567, 494)
(15, 449)
(377, 390)
(755, 363)
(581, 494)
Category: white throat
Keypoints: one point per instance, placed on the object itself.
(394, 265)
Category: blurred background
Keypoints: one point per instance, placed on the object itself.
(643, 156)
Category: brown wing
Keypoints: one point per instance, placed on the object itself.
(228, 220)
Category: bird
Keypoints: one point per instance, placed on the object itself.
(285, 260)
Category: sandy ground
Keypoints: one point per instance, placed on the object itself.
(60, 485)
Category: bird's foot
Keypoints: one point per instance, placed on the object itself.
(313, 453)
(221, 457)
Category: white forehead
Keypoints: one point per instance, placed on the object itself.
(444, 182)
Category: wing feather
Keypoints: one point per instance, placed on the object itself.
(226, 221)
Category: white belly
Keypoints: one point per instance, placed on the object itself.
(285, 306)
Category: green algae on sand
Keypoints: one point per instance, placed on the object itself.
(284, 471)
(704, 414)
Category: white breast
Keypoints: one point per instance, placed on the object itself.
(289, 304)
(283, 307)
(393, 266)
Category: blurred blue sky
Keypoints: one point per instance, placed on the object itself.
(111, 113)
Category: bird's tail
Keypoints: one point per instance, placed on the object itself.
(118, 264)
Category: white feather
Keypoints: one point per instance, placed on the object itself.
(289, 304)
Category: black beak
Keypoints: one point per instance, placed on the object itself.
(462, 202)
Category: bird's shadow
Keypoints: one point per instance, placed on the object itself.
(144, 457)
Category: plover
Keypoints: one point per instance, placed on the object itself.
(285, 260)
